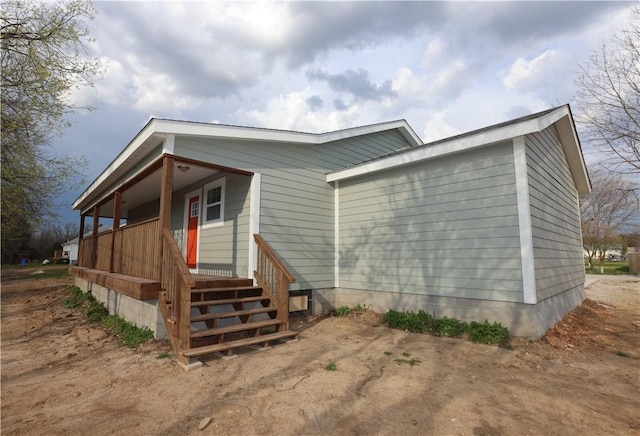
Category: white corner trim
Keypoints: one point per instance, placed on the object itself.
(169, 144)
(336, 225)
(524, 221)
(254, 222)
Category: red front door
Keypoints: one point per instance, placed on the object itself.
(192, 231)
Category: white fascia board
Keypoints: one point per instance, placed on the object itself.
(457, 144)
(573, 153)
(405, 130)
(125, 154)
(454, 145)
(185, 128)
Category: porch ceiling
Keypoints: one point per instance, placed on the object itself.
(148, 189)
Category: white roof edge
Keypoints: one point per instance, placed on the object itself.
(188, 128)
(142, 136)
(457, 144)
(440, 149)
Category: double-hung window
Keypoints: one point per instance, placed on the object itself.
(213, 209)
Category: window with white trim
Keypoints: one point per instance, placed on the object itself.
(213, 207)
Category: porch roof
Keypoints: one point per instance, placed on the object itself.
(162, 132)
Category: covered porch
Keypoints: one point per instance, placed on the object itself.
(140, 263)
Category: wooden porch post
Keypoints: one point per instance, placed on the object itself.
(81, 236)
(166, 189)
(96, 219)
(94, 232)
(117, 200)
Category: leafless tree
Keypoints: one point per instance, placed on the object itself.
(608, 98)
(610, 210)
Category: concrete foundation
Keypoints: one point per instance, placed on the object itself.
(528, 320)
(141, 313)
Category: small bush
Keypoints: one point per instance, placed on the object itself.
(449, 327)
(487, 333)
(359, 308)
(343, 311)
(420, 322)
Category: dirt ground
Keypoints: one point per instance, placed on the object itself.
(64, 375)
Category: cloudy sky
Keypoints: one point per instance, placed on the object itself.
(445, 67)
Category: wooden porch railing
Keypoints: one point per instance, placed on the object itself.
(274, 278)
(130, 250)
(135, 250)
(176, 281)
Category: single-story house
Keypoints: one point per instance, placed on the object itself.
(483, 225)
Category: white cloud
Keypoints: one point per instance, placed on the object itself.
(437, 128)
(526, 74)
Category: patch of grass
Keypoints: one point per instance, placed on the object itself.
(609, 268)
(359, 308)
(164, 355)
(388, 353)
(49, 272)
(331, 366)
(131, 335)
(487, 333)
(343, 311)
(96, 311)
(622, 353)
(410, 362)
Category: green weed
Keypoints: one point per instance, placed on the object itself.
(410, 362)
(331, 366)
(420, 322)
(487, 333)
(343, 311)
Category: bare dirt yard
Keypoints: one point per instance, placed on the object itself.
(63, 375)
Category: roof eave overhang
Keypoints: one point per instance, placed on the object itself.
(156, 130)
(561, 117)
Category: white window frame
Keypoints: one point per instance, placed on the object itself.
(203, 202)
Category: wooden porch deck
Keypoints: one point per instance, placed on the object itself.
(148, 289)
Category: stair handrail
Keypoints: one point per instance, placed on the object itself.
(274, 277)
(177, 282)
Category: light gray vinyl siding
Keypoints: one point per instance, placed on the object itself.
(297, 204)
(446, 227)
(222, 250)
(555, 216)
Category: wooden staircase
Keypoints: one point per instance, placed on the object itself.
(207, 315)
(231, 318)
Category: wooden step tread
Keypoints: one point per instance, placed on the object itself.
(208, 316)
(235, 328)
(209, 349)
(233, 288)
(228, 301)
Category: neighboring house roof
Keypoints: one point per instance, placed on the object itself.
(163, 131)
(560, 116)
